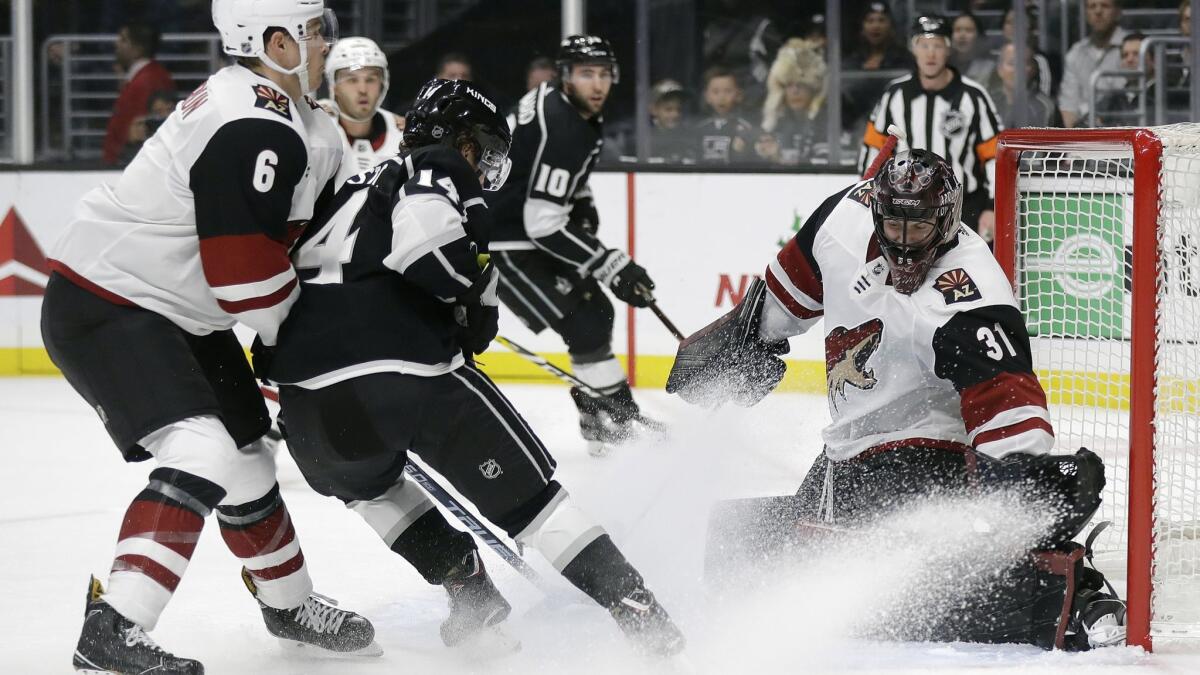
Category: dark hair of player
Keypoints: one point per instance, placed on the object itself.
(912, 186)
(459, 113)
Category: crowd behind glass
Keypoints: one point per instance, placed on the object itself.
(759, 92)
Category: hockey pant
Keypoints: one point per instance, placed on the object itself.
(351, 440)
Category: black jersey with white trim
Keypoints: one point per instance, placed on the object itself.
(553, 151)
(380, 270)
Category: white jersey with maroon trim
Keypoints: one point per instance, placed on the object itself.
(198, 226)
(360, 155)
(947, 366)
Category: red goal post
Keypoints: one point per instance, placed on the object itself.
(1098, 263)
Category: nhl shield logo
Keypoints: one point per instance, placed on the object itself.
(490, 469)
(953, 123)
(957, 286)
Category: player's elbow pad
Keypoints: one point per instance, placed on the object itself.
(727, 360)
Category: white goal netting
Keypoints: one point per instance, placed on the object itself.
(1074, 263)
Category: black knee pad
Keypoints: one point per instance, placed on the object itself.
(588, 329)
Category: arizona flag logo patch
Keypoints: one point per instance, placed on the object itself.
(957, 286)
(269, 99)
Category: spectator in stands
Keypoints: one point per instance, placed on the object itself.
(157, 109)
(739, 35)
(453, 66)
(669, 136)
(136, 46)
(724, 137)
(540, 69)
(793, 114)
(1184, 81)
(878, 48)
(1122, 107)
(1100, 50)
(815, 31)
(1047, 67)
(1040, 110)
(969, 53)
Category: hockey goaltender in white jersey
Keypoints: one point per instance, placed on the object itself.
(946, 365)
(174, 204)
(931, 391)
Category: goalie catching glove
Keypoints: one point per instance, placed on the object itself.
(726, 360)
(627, 279)
(477, 312)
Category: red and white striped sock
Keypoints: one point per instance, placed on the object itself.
(157, 539)
(261, 535)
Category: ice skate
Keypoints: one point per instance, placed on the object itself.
(1099, 620)
(320, 624)
(610, 420)
(110, 643)
(476, 610)
(647, 625)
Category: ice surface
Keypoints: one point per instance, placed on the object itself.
(65, 489)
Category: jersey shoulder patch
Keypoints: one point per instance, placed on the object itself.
(268, 98)
(861, 193)
(957, 286)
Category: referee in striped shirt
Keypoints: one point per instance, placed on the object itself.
(940, 110)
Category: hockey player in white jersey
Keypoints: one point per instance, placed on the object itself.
(147, 283)
(357, 72)
(930, 388)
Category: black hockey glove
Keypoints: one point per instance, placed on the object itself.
(260, 358)
(1068, 485)
(584, 216)
(726, 360)
(477, 313)
(627, 279)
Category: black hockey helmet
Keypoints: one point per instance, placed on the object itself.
(917, 192)
(446, 110)
(586, 49)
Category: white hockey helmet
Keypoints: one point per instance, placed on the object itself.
(353, 53)
(242, 24)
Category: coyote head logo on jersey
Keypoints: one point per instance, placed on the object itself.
(847, 351)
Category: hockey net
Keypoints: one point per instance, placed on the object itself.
(1099, 230)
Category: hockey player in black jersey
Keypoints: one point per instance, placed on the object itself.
(931, 389)
(552, 265)
(375, 361)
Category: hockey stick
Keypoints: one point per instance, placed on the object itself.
(541, 362)
(439, 493)
(894, 136)
(665, 321)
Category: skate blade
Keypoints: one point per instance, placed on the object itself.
(371, 650)
(1106, 636)
(488, 643)
(82, 665)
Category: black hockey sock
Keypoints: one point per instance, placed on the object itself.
(432, 546)
(601, 571)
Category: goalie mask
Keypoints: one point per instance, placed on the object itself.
(446, 111)
(915, 203)
(243, 24)
(351, 54)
